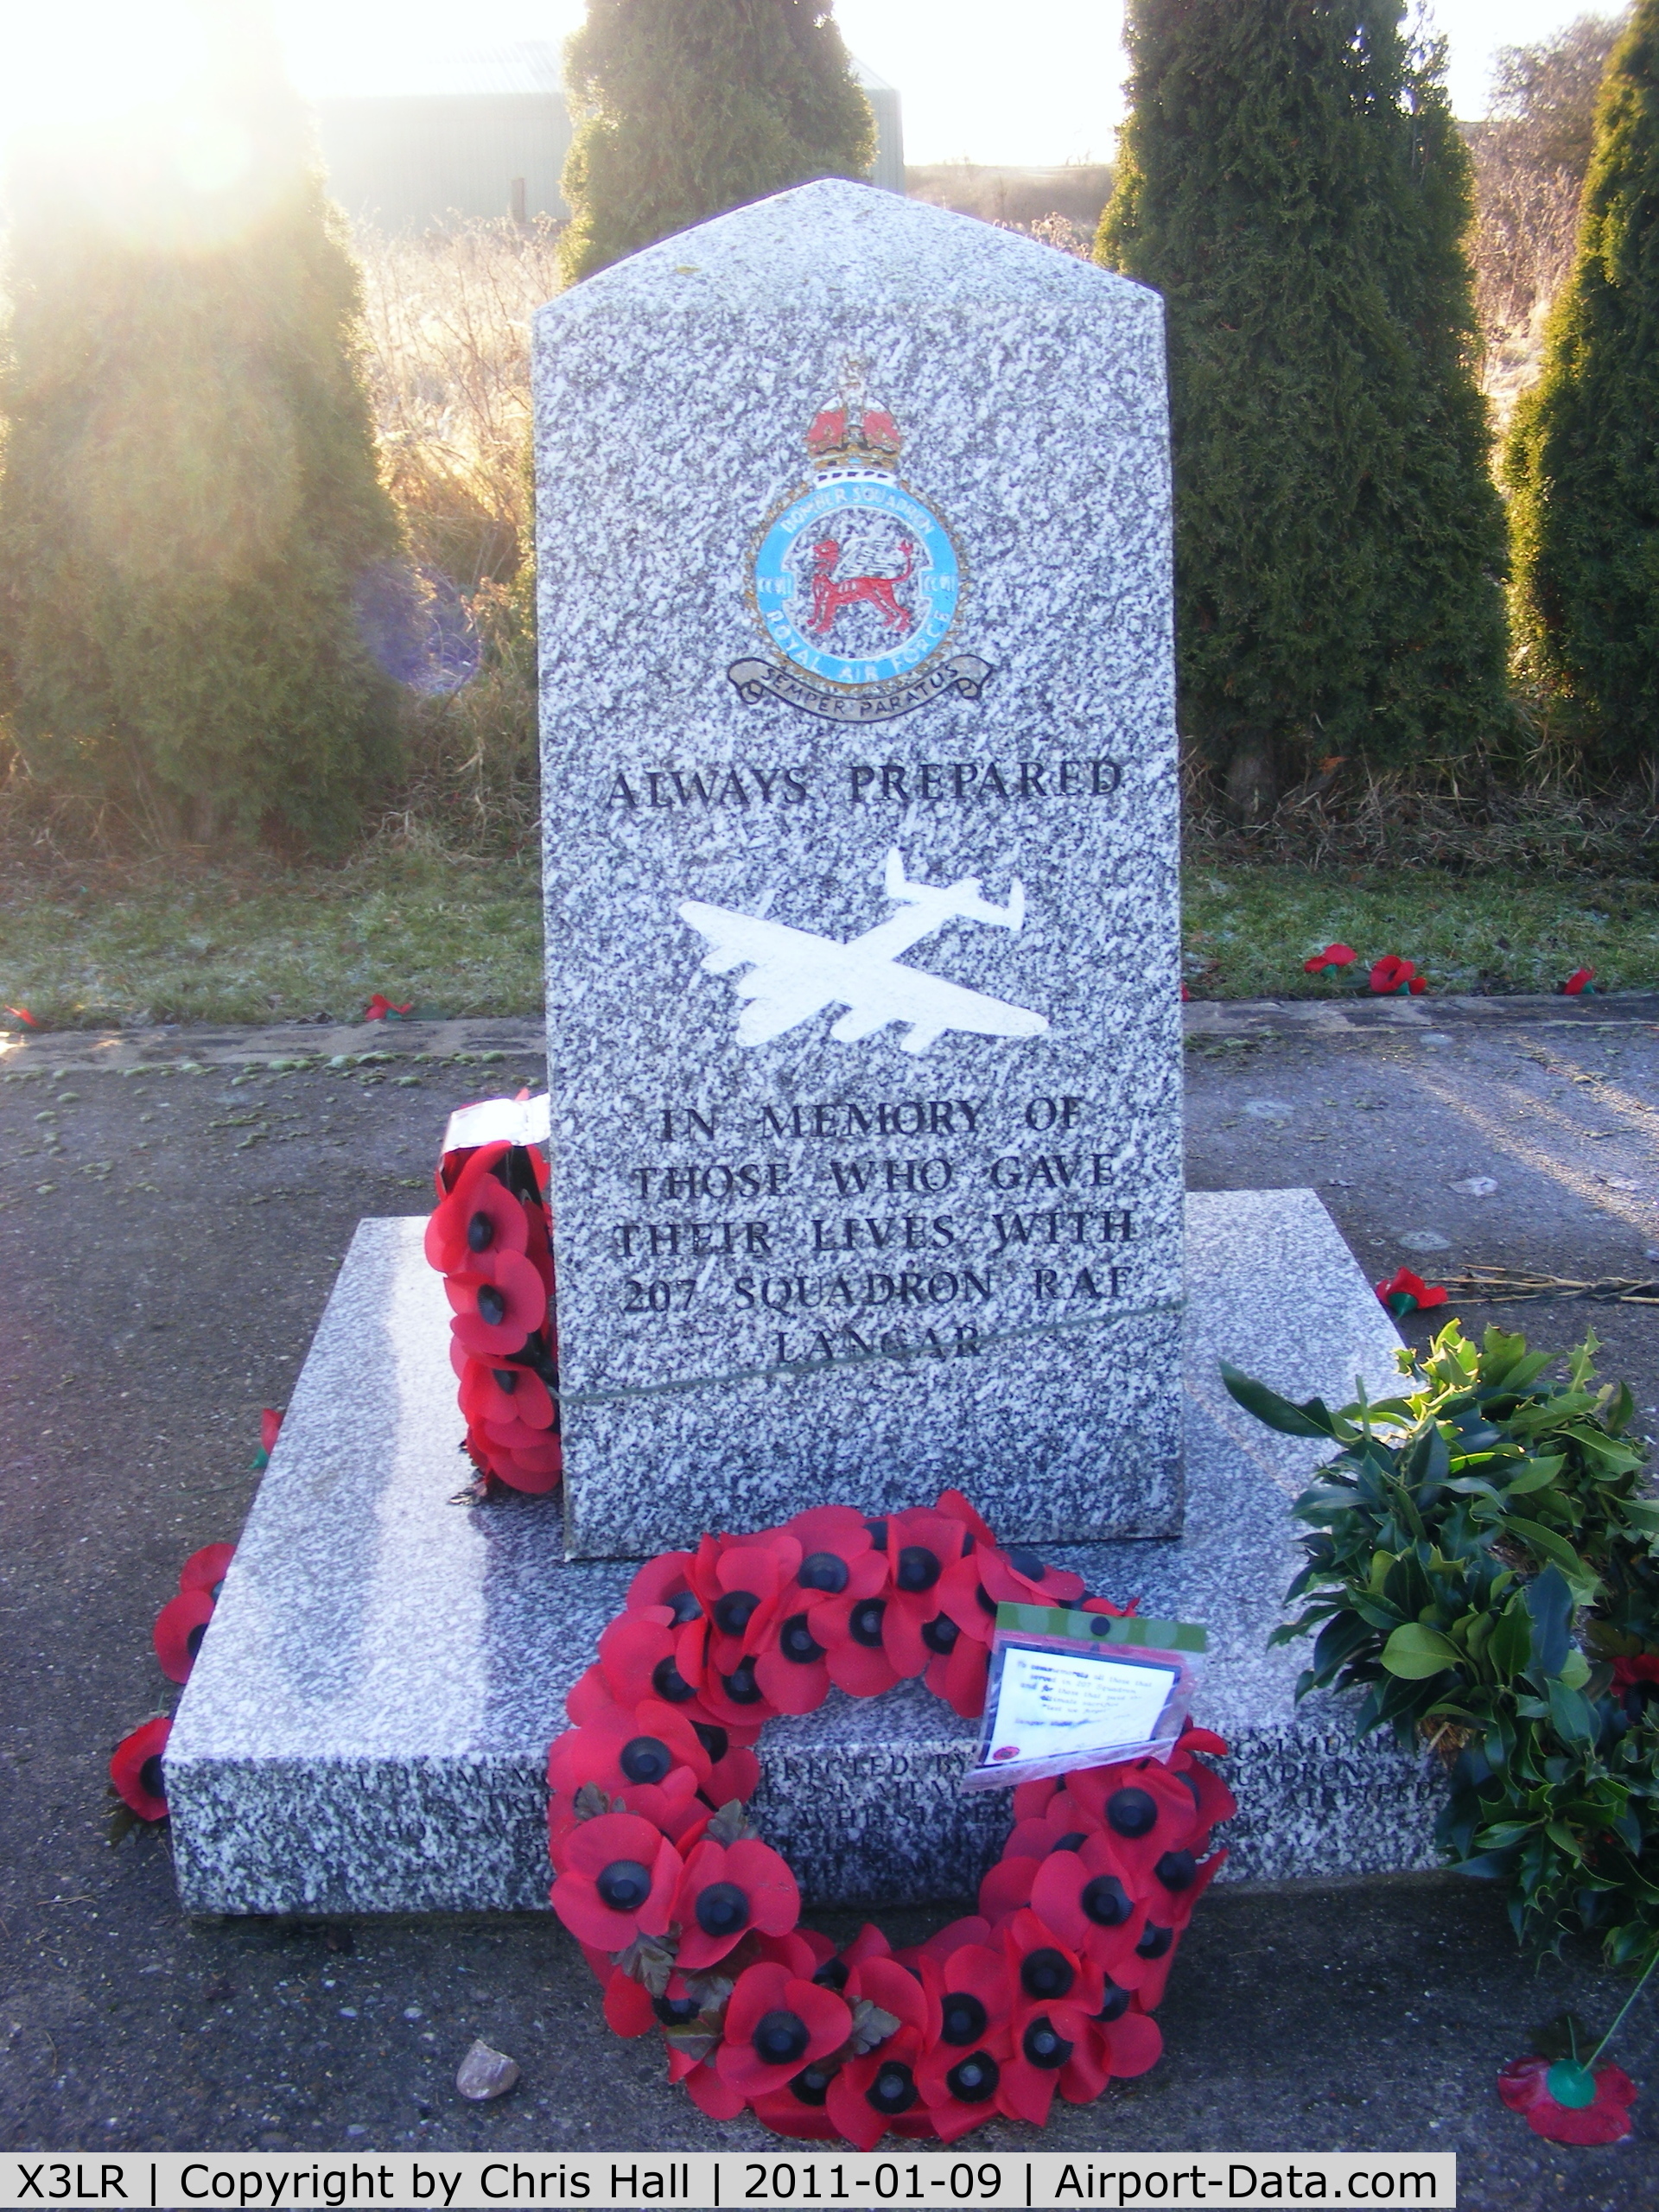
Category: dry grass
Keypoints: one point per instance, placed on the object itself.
(1542, 816)
(448, 330)
(448, 324)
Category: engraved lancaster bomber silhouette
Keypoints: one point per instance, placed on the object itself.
(794, 974)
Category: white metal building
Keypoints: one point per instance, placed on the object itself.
(486, 133)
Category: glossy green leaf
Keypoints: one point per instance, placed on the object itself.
(1415, 1653)
(1312, 1418)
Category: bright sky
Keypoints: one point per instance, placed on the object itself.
(1029, 84)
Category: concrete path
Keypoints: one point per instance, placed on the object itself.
(172, 1210)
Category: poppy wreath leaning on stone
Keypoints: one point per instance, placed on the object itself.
(691, 1921)
(135, 1775)
(489, 1238)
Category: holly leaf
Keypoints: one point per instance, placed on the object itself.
(1549, 1601)
(1312, 1418)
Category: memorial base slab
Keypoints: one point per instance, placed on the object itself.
(367, 1727)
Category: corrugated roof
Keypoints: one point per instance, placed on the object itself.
(532, 66)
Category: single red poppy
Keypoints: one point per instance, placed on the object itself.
(498, 1305)
(1032, 1799)
(736, 1774)
(728, 1889)
(838, 1560)
(735, 1701)
(797, 2109)
(1213, 1801)
(588, 1698)
(1565, 2103)
(874, 2093)
(739, 1581)
(1334, 956)
(380, 1008)
(1144, 1808)
(799, 1951)
(954, 1504)
(620, 1878)
(1393, 978)
(1131, 2041)
(1636, 1682)
(1045, 1971)
(793, 1670)
(959, 2081)
(972, 1927)
(709, 2093)
(136, 1770)
(206, 1569)
(1581, 982)
(1053, 2049)
(776, 2024)
(971, 1591)
(180, 1627)
(644, 1654)
(850, 1630)
(270, 1428)
(828, 1533)
(1007, 1887)
(479, 1216)
(920, 1548)
(626, 1746)
(1185, 994)
(1405, 1292)
(513, 1405)
(24, 1016)
(971, 1995)
(1089, 1897)
(660, 1581)
(1167, 1923)
(672, 1805)
(535, 1470)
(958, 1674)
(1062, 1825)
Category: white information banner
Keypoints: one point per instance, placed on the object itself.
(836, 2175)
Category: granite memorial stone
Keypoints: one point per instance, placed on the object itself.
(860, 814)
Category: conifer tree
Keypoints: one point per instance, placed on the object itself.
(688, 107)
(1292, 180)
(1583, 453)
(191, 512)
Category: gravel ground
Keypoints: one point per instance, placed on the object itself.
(167, 1240)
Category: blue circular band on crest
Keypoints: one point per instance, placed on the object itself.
(840, 626)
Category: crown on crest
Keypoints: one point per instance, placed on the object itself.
(857, 434)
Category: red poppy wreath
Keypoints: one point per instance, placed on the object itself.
(489, 1239)
(691, 1921)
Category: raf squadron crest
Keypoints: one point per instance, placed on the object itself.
(855, 581)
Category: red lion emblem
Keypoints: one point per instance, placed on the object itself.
(831, 593)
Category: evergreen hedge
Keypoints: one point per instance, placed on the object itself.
(688, 107)
(1291, 180)
(191, 506)
(1583, 453)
